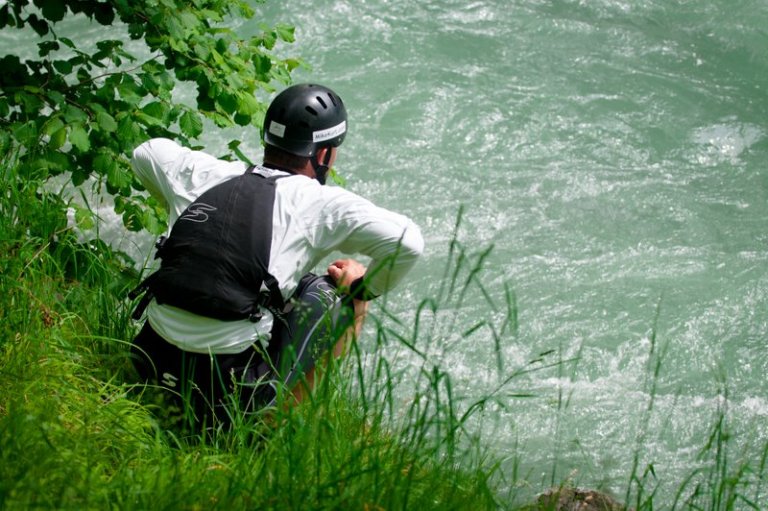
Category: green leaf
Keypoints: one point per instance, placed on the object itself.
(4, 18)
(292, 64)
(136, 30)
(78, 137)
(84, 217)
(56, 98)
(262, 64)
(211, 15)
(227, 102)
(104, 13)
(58, 138)
(152, 222)
(175, 28)
(53, 161)
(148, 120)
(63, 66)
(13, 70)
(247, 104)
(189, 22)
(157, 110)
(191, 124)
(52, 125)
(104, 162)
(178, 45)
(54, 10)
(47, 47)
(25, 133)
(67, 41)
(128, 132)
(106, 122)
(119, 204)
(131, 92)
(79, 176)
(38, 25)
(132, 214)
(337, 178)
(202, 51)
(165, 80)
(268, 39)
(235, 81)
(285, 32)
(74, 114)
(30, 103)
(221, 120)
(119, 178)
(57, 132)
(83, 74)
(242, 119)
(234, 146)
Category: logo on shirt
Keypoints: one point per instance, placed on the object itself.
(169, 380)
(197, 212)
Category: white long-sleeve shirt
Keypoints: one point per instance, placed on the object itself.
(309, 222)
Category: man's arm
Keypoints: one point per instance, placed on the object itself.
(392, 241)
(176, 175)
(151, 161)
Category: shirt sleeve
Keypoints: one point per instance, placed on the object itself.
(152, 162)
(176, 175)
(392, 241)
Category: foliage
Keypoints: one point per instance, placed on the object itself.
(81, 111)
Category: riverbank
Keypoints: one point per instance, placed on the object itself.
(76, 433)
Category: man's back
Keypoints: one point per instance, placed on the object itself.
(309, 222)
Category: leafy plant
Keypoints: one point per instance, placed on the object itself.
(81, 111)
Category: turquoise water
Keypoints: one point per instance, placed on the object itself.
(614, 154)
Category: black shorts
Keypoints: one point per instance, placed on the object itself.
(249, 380)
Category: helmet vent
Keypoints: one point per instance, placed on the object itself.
(311, 110)
(320, 100)
(333, 100)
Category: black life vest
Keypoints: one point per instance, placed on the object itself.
(216, 258)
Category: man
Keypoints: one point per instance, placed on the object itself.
(233, 310)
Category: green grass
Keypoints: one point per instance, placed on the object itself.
(77, 433)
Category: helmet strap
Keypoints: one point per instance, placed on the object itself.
(321, 169)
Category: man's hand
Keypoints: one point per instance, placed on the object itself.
(345, 272)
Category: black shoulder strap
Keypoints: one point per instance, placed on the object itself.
(276, 300)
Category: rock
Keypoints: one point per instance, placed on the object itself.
(575, 499)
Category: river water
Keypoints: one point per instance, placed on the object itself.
(613, 154)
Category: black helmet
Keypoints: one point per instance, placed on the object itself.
(305, 117)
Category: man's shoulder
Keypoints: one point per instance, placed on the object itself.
(310, 190)
(158, 146)
(321, 203)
